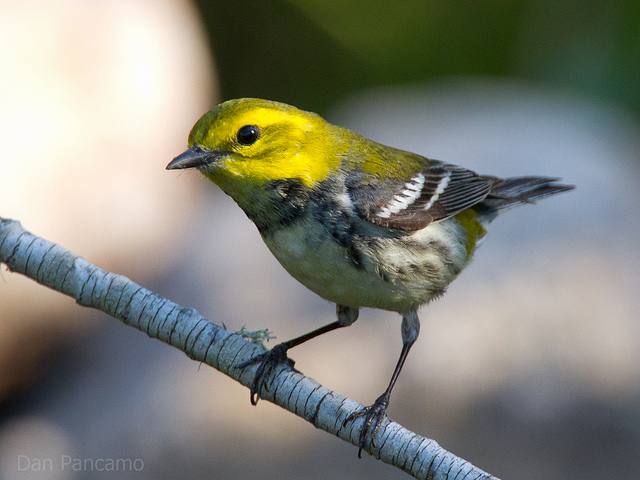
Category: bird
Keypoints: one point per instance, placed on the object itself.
(359, 223)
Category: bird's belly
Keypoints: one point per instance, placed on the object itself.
(397, 274)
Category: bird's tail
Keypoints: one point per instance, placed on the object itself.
(511, 192)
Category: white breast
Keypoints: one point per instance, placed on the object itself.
(392, 274)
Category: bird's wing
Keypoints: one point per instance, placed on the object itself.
(437, 191)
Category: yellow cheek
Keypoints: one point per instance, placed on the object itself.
(309, 170)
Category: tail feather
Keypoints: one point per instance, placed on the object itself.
(511, 192)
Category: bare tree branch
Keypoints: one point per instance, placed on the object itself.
(183, 328)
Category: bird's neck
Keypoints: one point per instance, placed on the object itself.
(274, 204)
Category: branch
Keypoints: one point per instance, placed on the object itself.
(183, 328)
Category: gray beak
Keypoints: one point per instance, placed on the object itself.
(192, 158)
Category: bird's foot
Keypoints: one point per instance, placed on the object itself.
(373, 416)
(267, 363)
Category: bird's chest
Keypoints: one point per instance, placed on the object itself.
(335, 260)
(312, 255)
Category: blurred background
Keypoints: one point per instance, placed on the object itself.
(529, 367)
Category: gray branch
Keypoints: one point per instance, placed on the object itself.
(183, 328)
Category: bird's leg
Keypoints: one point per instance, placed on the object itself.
(374, 414)
(278, 354)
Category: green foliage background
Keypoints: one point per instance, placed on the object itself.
(312, 52)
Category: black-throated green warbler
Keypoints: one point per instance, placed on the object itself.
(359, 223)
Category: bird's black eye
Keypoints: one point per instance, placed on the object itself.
(248, 134)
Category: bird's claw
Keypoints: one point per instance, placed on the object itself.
(267, 363)
(373, 416)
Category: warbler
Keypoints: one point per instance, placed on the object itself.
(359, 223)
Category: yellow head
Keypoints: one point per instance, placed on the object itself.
(245, 144)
